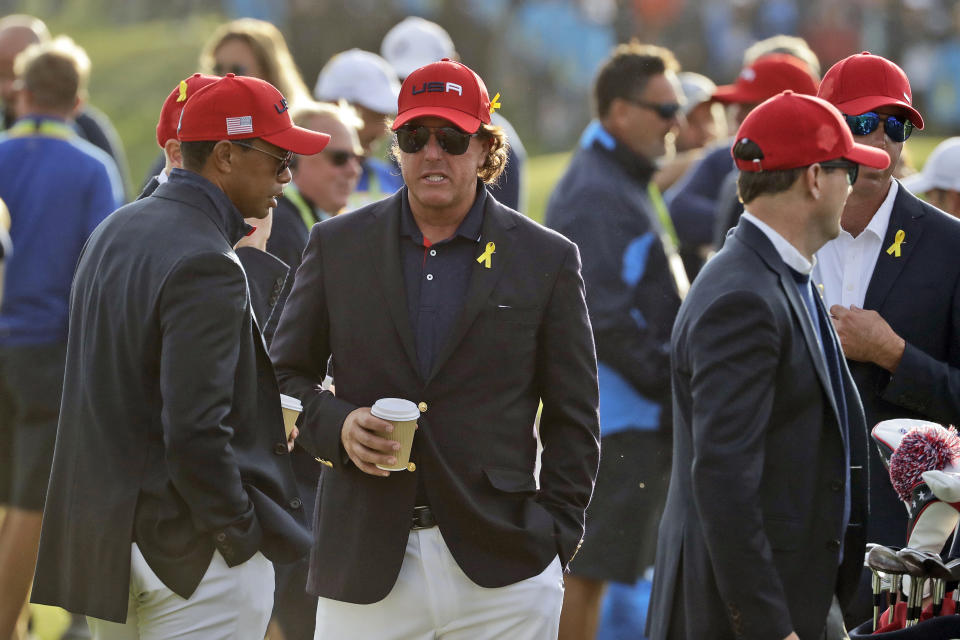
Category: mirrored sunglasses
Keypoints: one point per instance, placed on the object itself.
(864, 124)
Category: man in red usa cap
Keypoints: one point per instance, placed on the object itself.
(891, 280)
(171, 489)
(441, 296)
(762, 535)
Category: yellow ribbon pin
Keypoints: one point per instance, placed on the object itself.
(495, 103)
(484, 258)
(183, 91)
(894, 249)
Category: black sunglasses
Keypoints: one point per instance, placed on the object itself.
(866, 123)
(285, 159)
(852, 168)
(455, 142)
(224, 69)
(340, 157)
(666, 110)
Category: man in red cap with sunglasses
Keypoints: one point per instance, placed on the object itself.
(762, 533)
(442, 296)
(171, 490)
(891, 280)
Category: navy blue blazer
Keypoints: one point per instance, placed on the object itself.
(523, 335)
(751, 536)
(918, 294)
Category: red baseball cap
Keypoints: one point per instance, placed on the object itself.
(173, 105)
(241, 107)
(863, 82)
(444, 89)
(766, 77)
(794, 130)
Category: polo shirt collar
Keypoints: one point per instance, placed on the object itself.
(470, 227)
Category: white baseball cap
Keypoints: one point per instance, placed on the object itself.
(359, 77)
(697, 89)
(941, 171)
(415, 42)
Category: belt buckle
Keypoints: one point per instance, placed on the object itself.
(422, 519)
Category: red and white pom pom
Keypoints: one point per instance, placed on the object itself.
(929, 448)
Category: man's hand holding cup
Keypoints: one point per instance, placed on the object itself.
(379, 445)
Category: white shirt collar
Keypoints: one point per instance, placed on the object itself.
(881, 219)
(162, 177)
(788, 253)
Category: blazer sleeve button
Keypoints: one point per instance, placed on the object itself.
(280, 448)
(295, 503)
(221, 537)
(423, 407)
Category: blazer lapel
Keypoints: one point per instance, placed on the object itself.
(384, 246)
(905, 217)
(498, 229)
(759, 242)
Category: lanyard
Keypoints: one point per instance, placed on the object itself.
(48, 128)
(306, 211)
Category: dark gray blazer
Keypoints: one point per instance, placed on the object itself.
(523, 335)
(750, 539)
(171, 430)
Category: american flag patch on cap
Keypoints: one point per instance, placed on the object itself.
(243, 124)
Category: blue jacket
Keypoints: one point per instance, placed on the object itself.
(601, 204)
(57, 188)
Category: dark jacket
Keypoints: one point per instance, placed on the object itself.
(750, 539)
(523, 336)
(266, 274)
(172, 434)
(918, 294)
(601, 204)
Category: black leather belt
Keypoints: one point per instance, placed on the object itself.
(422, 519)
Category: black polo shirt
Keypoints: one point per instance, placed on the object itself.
(437, 276)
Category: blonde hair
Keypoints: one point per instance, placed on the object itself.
(55, 73)
(268, 47)
(341, 111)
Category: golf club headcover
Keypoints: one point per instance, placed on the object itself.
(888, 434)
(927, 447)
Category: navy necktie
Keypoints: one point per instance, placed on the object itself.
(831, 356)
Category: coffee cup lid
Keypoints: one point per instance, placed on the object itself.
(395, 409)
(289, 402)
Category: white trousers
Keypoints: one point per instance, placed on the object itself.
(230, 603)
(434, 599)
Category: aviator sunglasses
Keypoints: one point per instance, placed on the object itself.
(340, 157)
(864, 124)
(411, 139)
(285, 159)
(223, 69)
(852, 168)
